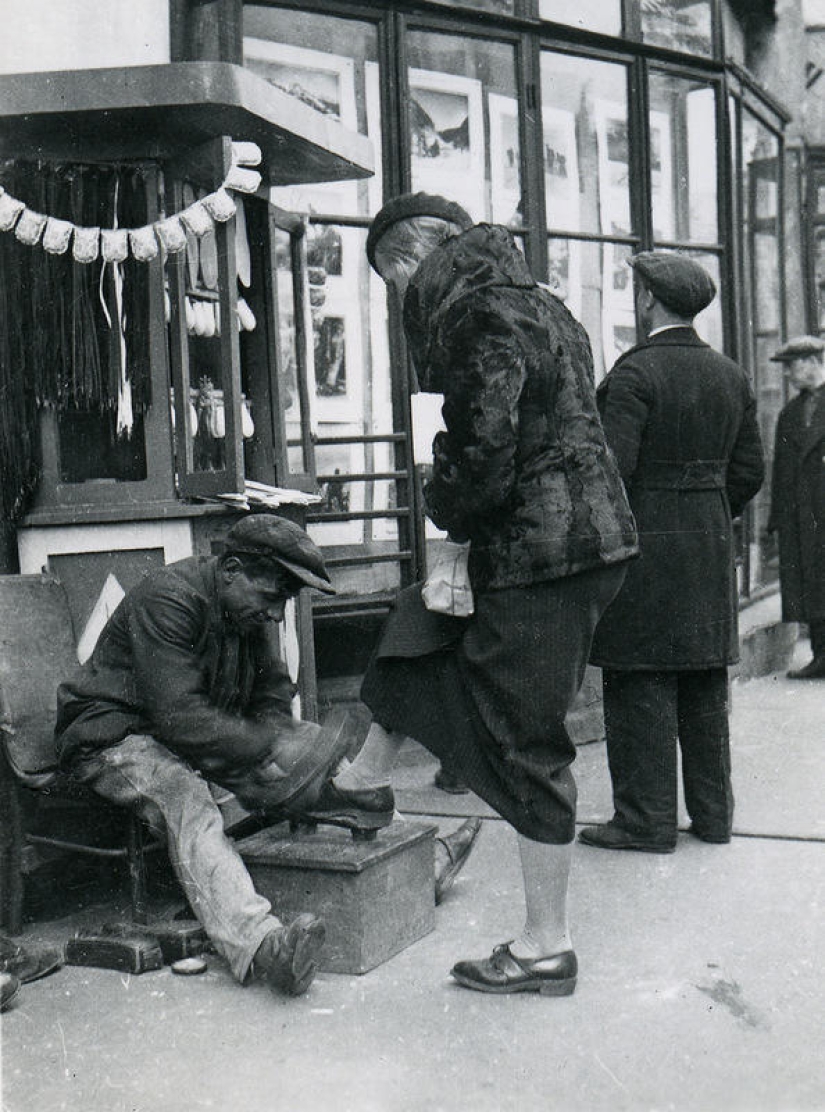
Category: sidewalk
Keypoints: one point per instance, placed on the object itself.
(701, 986)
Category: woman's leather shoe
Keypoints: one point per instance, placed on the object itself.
(503, 972)
(362, 810)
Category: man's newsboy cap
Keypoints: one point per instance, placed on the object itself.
(676, 280)
(799, 348)
(269, 537)
(408, 206)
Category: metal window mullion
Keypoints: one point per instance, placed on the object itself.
(641, 202)
(529, 98)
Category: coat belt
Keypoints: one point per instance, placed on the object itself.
(695, 474)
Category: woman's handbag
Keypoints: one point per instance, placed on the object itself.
(447, 589)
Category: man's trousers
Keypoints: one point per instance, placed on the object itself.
(176, 802)
(648, 717)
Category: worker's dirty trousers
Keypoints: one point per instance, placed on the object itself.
(177, 804)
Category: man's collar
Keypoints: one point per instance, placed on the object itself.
(666, 328)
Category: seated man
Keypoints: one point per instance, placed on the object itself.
(186, 685)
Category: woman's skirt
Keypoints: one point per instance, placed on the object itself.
(488, 695)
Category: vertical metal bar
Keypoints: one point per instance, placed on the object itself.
(531, 142)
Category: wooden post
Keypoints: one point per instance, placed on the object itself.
(206, 30)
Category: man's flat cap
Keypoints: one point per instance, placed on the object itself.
(676, 280)
(410, 205)
(800, 347)
(269, 537)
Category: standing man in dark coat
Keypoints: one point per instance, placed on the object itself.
(680, 418)
(798, 496)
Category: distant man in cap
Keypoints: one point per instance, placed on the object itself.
(185, 686)
(798, 496)
(680, 418)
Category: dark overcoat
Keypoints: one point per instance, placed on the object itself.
(798, 509)
(523, 470)
(681, 420)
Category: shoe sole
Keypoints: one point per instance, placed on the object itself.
(304, 944)
(565, 987)
(445, 882)
(358, 821)
(633, 847)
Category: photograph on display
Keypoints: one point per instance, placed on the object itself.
(339, 496)
(447, 138)
(561, 169)
(614, 168)
(618, 334)
(505, 160)
(324, 82)
(330, 356)
(661, 177)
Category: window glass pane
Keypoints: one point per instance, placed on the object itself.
(289, 356)
(463, 117)
(92, 449)
(332, 65)
(708, 323)
(678, 24)
(586, 152)
(591, 15)
(761, 164)
(504, 7)
(596, 284)
(683, 177)
(819, 267)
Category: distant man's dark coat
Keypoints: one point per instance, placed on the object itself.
(798, 509)
(681, 420)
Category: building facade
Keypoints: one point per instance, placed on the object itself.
(592, 130)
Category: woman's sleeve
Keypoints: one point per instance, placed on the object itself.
(474, 459)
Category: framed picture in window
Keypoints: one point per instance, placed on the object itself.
(614, 168)
(661, 177)
(324, 82)
(561, 169)
(618, 334)
(447, 137)
(505, 160)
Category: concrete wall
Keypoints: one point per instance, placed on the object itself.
(82, 34)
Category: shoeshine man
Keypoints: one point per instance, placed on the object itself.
(186, 686)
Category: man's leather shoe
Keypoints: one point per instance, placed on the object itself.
(287, 959)
(612, 836)
(362, 810)
(813, 670)
(503, 972)
(718, 839)
(451, 855)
